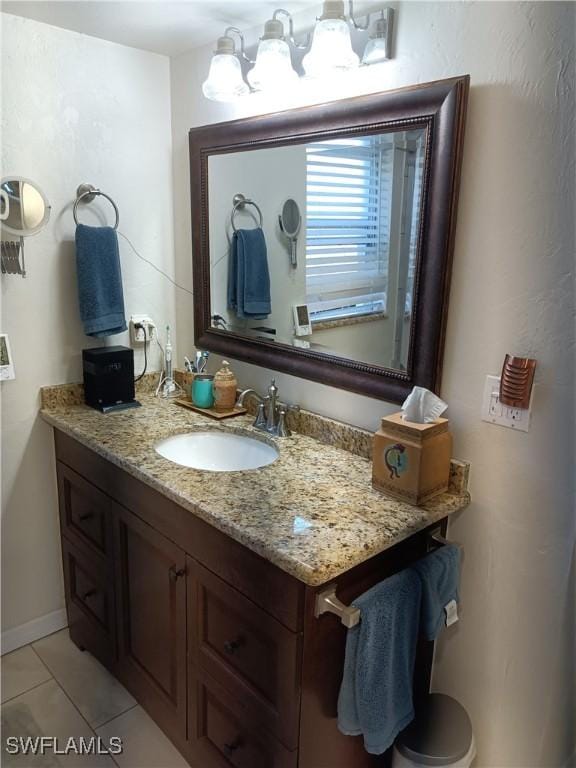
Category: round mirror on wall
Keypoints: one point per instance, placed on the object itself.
(24, 209)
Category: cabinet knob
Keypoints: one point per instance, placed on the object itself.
(90, 593)
(231, 646)
(86, 516)
(230, 747)
(175, 574)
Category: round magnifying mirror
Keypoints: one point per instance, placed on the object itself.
(24, 209)
(290, 221)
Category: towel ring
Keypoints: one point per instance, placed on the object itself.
(239, 201)
(89, 192)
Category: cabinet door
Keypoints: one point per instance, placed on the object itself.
(151, 589)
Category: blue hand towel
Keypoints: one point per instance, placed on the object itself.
(376, 693)
(99, 281)
(440, 573)
(248, 275)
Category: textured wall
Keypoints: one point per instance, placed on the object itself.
(257, 175)
(74, 109)
(510, 659)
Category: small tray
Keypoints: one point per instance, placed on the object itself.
(212, 412)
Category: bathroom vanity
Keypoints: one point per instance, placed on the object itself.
(198, 589)
(201, 591)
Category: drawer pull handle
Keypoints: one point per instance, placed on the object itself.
(230, 748)
(176, 574)
(90, 593)
(231, 646)
(86, 516)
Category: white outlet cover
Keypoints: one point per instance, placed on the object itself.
(137, 335)
(494, 412)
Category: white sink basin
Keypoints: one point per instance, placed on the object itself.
(217, 451)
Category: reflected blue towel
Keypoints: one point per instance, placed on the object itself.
(376, 693)
(248, 275)
(99, 281)
(440, 573)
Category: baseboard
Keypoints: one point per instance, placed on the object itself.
(33, 630)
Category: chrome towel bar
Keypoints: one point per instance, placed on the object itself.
(327, 602)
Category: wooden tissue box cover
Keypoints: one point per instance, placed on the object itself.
(411, 461)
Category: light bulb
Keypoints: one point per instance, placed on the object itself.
(224, 82)
(378, 47)
(331, 49)
(376, 50)
(273, 68)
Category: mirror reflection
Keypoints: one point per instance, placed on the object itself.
(23, 207)
(321, 250)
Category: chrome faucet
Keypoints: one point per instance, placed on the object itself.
(271, 413)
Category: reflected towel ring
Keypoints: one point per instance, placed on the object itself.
(89, 192)
(239, 201)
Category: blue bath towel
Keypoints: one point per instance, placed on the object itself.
(99, 281)
(248, 275)
(376, 693)
(440, 573)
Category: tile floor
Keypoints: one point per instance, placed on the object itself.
(51, 688)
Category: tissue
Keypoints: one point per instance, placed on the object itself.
(422, 406)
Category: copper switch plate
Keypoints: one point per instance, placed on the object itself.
(516, 381)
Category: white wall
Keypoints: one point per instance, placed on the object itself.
(74, 109)
(509, 660)
(369, 342)
(268, 178)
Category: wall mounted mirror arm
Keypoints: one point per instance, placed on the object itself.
(24, 211)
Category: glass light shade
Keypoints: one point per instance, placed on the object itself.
(224, 81)
(375, 51)
(273, 68)
(331, 49)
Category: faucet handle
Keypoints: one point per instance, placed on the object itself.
(282, 429)
(288, 408)
(283, 408)
(260, 420)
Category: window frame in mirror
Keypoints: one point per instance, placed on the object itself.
(440, 109)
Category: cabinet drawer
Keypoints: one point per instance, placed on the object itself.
(223, 736)
(84, 511)
(89, 602)
(247, 651)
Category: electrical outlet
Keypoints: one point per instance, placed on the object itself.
(495, 412)
(137, 335)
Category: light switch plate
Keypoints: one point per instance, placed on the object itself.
(495, 412)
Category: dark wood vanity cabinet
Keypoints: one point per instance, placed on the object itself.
(218, 645)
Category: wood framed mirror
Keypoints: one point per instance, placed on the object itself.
(358, 298)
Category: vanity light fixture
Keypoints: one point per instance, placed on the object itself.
(225, 82)
(273, 68)
(379, 47)
(331, 52)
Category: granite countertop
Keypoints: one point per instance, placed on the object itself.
(313, 512)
